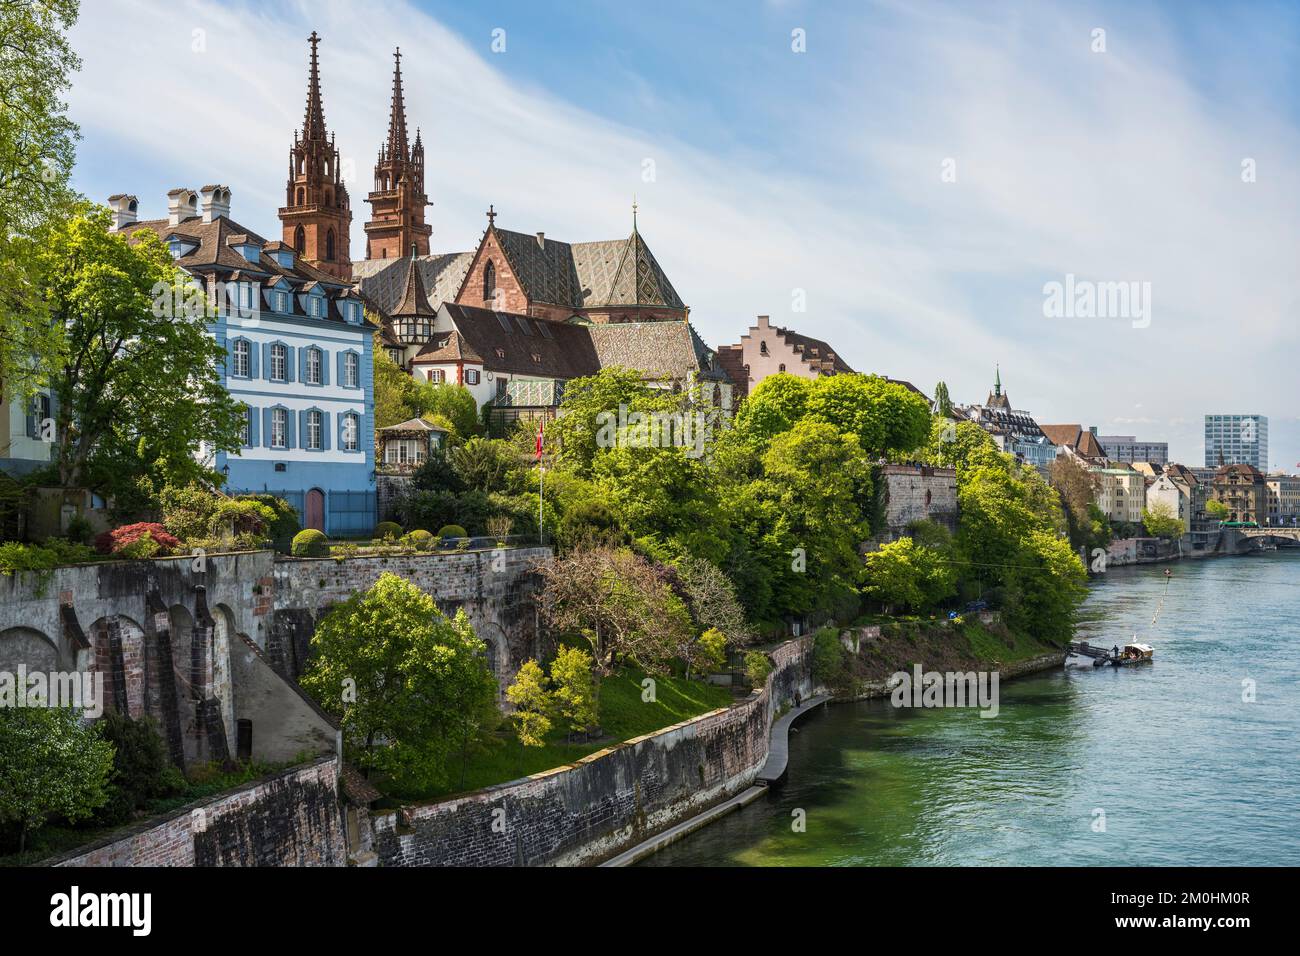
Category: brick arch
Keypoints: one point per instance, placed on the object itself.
(133, 669)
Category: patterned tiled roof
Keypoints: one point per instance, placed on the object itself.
(383, 281)
(666, 349)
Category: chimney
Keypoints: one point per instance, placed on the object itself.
(541, 240)
(124, 209)
(216, 202)
(182, 204)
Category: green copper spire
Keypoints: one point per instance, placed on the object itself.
(997, 380)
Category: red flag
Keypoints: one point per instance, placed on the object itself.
(540, 427)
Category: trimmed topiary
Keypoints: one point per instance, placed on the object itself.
(388, 531)
(452, 531)
(420, 539)
(310, 543)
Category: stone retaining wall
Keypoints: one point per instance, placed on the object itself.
(290, 819)
(607, 801)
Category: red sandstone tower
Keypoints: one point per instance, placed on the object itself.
(397, 203)
(316, 216)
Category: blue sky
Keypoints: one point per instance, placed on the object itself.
(778, 173)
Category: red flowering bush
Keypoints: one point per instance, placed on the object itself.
(136, 540)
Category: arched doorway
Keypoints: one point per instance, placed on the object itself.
(316, 509)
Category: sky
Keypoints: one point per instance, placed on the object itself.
(905, 180)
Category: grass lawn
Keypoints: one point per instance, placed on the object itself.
(989, 647)
(623, 715)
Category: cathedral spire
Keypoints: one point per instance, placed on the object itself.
(997, 380)
(313, 125)
(397, 114)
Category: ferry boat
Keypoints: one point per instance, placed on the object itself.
(1083, 654)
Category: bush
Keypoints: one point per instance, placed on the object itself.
(828, 657)
(187, 510)
(452, 531)
(388, 531)
(310, 543)
(757, 667)
(284, 525)
(129, 536)
(142, 770)
(420, 539)
(79, 530)
(711, 651)
(241, 517)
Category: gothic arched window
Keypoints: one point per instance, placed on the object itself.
(329, 246)
(299, 241)
(489, 280)
(302, 196)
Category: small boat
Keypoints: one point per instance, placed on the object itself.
(1132, 655)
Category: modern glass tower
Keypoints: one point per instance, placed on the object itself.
(1236, 439)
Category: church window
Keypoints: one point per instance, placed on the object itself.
(762, 348)
(329, 246)
(300, 240)
(302, 196)
(782, 367)
(489, 280)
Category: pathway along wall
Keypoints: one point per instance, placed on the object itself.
(608, 801)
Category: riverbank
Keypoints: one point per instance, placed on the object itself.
(1177, 764)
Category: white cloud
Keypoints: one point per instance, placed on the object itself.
(1106, 166)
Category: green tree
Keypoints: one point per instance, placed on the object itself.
(887, 418)
(136, 391)
(1217, 509)
(411, 687)
(574, 692)
(51, 764)
(532, 702)
(590, 404)
(394, 389)
(905, 573)
(37, 151)
(942, 403)
(447, 402)
(1161, 522)
(775, 406)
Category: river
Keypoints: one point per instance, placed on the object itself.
(1163, 764)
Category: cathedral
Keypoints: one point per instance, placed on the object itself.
(499, 318)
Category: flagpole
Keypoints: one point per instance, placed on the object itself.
(541, 471)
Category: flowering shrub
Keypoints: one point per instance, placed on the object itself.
(126, 538)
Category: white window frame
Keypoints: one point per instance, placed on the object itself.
(351, 437)
(314, 355)
(279, 428)
(243, 362)
(315, 428)
(246, 433)
(351, 370)
(282, 302)
(280, 356)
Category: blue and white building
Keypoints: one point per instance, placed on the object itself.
(298, 349)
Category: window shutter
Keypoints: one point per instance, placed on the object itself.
(302, 366)
(266, 358)
(252, 360)
(252, 427)
(266, 428)
(302, 429)
(31, 418)
(230, 357)
(341, 367)
(325, 431)
(290, 437)
(324, 367)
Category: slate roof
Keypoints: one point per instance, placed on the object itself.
(383, 281)
(215, 252)
(505, 342)
(580, 275)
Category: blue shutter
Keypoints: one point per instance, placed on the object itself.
(266, 358)
(289, 436)
(289, 359)
(230, 357)
(266, 428)
(324, 367)
(252, 427)
(341, 368)
(325, 431)
(302, 428)
(252, 360)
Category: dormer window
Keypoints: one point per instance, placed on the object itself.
(282, 302)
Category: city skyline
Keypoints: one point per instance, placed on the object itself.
(750, 206)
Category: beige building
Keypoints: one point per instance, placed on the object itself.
(1121, 494)
(1243, 489)
(1283, 498)
(1178, 490)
